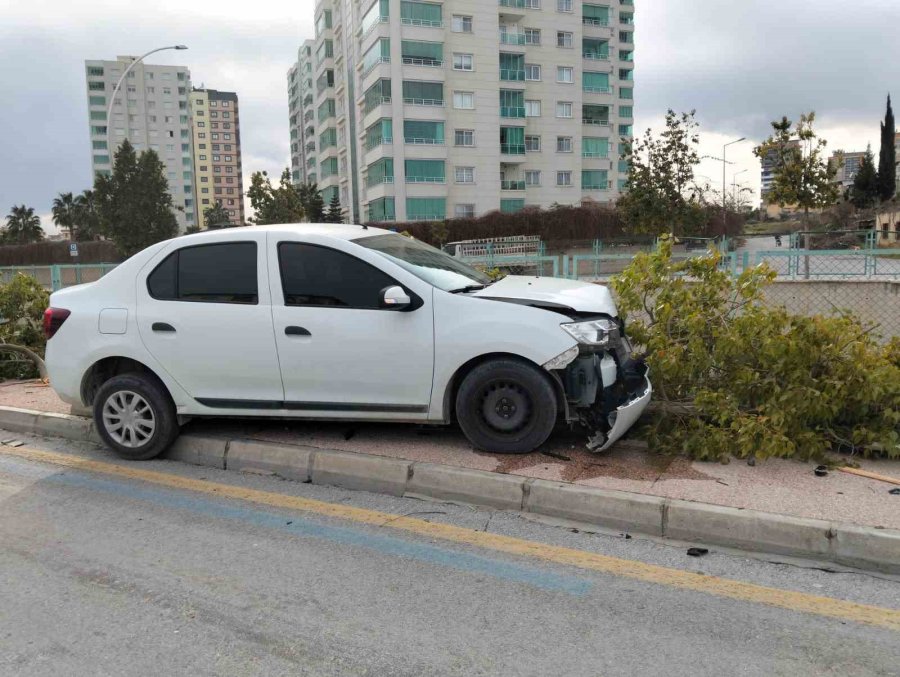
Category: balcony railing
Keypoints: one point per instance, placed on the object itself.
(595, 121)
(597, 154)
(426, 179)
(423, 141)
(512, 185)
(598, 89)
(422, 22)
(518, 4)
(512, 38)
(425, 102)
(372, 105)
(422, 61)
(591, 21)
(512, 149)
(379, 60)
(512, 111)
(596, 56)
(375, 22)
(374, 143)
(378, 181)
(512, 75)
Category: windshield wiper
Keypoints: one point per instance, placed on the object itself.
(468, 288)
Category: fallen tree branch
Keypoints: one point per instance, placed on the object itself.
(34, 357)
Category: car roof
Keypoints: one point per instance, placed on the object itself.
(340, 231)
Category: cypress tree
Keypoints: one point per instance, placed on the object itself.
(887, 161)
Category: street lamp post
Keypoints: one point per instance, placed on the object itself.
(725, 184)
(112, 99)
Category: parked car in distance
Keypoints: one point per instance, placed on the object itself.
(338, 322)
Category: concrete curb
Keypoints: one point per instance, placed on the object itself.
(846, 544)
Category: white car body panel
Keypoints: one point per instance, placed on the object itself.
(355, 359)
(579, 296)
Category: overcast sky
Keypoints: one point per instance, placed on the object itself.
(740, 64)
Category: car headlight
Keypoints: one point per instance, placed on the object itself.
(601, 333)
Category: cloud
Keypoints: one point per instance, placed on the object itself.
(740, 64)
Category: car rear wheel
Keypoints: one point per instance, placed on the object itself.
(135, 416)
(506, 406)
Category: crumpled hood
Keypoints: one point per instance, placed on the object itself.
(582, 297)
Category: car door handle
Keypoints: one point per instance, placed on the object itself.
(296, 331)
(162, 326)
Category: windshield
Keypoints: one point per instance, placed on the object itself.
(425, 262)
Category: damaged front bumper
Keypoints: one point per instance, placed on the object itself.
(606, 392)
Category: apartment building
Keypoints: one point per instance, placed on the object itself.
(848, 164)
(151, 110)
(217, 153)
(437, 110)
(301, 105)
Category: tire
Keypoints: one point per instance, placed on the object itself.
(507, 407)
(151, 424)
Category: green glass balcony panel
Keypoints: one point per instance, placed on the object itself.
(380, 133)
(381, 171)
(597, 50)
(594, 179)
(424, 171)
(425, 132)
(325, 51)
(378, 53)
(382, 209)
(420, 53)
(378, 13)
(512, 140)
(426, 14)
(512, 103)
(326, 110)
(512, 67)
(330, 192)
(328, 138)
(512, 184)
(517, 4)
(595, 15)
(512, 38)
(97, 100)
(594, 147)
(595, 82)
(423, 93)
(426, 208)
(379, 93)
(595, 115)
(512, 205)
(328, 167)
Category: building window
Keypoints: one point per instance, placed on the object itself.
(532, 143)
(461, 23)
(564, 39)
(532, 108)
(563, 109)
(201, 135)
(464, 137)
(228, 137)
(464, 100)
(532, 71)
(532, 36)
(565, 74)
(465, 175)
(227, 157)
(464, 211)
(563, 5)
(564, 178)
(532, 177)
(462, 62)
(563, 144)
(199, 124)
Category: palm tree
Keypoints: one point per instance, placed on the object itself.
(66, 212)
(23, 226)
(86, 211)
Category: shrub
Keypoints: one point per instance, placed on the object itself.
(22, 305)
(734, 376)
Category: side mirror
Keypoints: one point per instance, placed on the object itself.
(395, 298)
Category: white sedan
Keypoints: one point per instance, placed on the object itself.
(338, 322)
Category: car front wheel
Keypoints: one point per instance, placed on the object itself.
(506, 406)
(135, 416)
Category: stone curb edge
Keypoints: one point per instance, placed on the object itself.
(846, 544)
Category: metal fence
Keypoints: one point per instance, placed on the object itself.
(57, 276)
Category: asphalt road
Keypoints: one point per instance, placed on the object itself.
(166, 569)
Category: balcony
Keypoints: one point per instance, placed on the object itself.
(426, 179)
(512, 149)
(415, 141)
(424, 102)
(508, 38)
(596, 56)
(425, 23)
(512, 185)
(600, 122)
(422, 61)
(510, 75)
(512, 112)
(597, 89)
(375, 143)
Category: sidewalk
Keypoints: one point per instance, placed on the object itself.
(775, 486)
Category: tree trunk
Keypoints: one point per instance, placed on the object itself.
(806, 242)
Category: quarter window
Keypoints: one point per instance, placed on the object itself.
(215, 273)
(318, 276)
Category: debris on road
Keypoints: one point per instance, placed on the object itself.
(895, 492)
(870, 475)
(821, 470)
(697, 552)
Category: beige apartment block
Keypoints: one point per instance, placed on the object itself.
(151, 110)
(301, 104)
(429, 110)
(848, 164)
(217, 153)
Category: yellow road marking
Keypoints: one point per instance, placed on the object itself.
(650, 573)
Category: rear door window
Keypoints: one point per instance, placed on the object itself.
(213, 273)
(318, 276)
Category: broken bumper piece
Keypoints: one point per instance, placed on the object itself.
(622, 418)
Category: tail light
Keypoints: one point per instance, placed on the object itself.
(53, 320)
